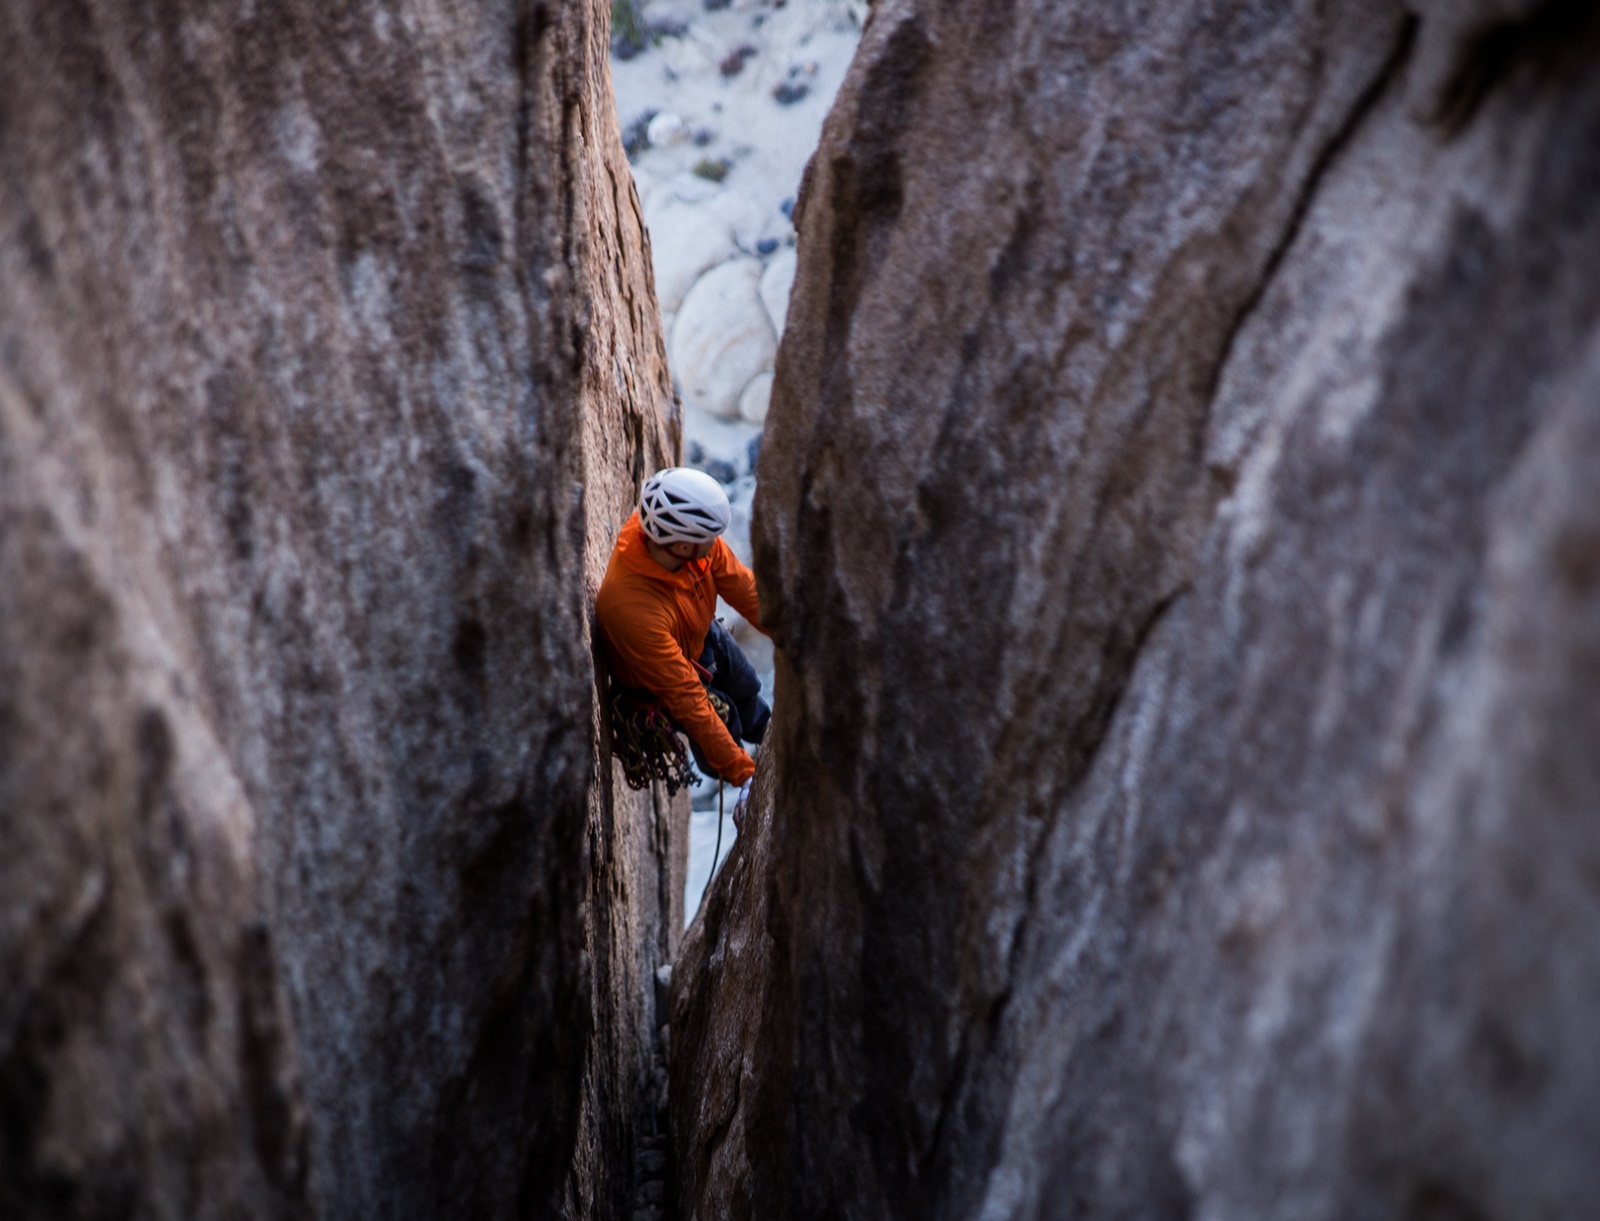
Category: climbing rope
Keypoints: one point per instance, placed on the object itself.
(717, 851)
(646, 742)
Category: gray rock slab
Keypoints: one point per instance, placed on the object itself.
(1178, 523)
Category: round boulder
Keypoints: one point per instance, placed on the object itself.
(776, 282)
(721, 338)
(667, 130)
(685, 242)
(755, 399)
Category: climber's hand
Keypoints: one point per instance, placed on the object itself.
(740, 806)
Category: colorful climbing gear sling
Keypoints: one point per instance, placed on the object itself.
(645, 741)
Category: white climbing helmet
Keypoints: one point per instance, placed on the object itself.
(683, 505)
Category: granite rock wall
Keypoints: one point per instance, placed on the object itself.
(1179, 522)
(328, 359)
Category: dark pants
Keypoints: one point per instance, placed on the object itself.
(734, 678)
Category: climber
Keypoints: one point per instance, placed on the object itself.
(658, 626)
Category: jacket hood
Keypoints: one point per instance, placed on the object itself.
(633, 547)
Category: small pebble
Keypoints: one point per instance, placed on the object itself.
(667, 129)
(733, 63)
(789, 92)
(712, 169)
(766, 245)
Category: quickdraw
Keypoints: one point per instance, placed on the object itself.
(647, 744)
(646, 741)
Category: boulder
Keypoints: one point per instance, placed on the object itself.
(721, 338)
(327, 366)
(776, 282)
(755, 397)
(686, 240)
(1179, 527)
(744, 211)
(667, 130)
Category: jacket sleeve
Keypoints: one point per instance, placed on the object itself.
(736, 584)
(649, 650)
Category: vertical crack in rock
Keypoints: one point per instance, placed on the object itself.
(1363, 106)
(1380, 84)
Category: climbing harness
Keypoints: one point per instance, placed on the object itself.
(717, 851)
(646, 742)
(720, 704)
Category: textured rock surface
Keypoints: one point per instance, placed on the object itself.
(316, 322)
(638, 843)
(1179, 520)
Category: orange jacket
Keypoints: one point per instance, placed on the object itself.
(653, 621)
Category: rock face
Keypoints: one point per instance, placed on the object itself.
(1180, 522)
(328, 359)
